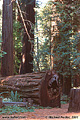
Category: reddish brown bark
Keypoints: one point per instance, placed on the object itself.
(7, 38)
(74, 104)
(34, 86)
(27, 58)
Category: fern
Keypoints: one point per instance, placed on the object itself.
(15, 97)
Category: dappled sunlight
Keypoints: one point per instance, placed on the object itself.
(5, 79)
(23, 58)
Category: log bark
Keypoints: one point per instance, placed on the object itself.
(1, 104)
(34, 86)
(74, 104)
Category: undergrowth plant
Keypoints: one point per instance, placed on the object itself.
(8, 110)
(15, 97)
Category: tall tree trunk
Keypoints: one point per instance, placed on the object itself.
(7, 38)
(67, 85)
(27, 58)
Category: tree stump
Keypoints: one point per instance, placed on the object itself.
(41, 87)
(74, 104)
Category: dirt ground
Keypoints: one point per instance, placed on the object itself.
(45, 114)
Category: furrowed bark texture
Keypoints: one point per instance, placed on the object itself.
(27, 57)
(7, 39)
(74, 105)
(34, 86)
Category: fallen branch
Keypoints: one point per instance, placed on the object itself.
(20, 104)
(21, 16)
(23, 19)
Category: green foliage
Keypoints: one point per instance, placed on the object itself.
(65, 53)
(8, 110)
(64, 99)
(63, 102)
(41, 107)
(2, 53)
(15, 97)
(61, 43)
(42, 57)
(17, 36)
(42, 38)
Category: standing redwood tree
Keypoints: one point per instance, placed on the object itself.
(27, 58)
(65, 52)
(7, 38)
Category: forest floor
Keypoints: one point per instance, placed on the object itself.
(45, 114)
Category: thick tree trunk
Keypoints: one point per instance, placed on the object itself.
(66, 85)
(27, 58)
(76, 81)
(74, 104)
(35, 86)
(7, 38)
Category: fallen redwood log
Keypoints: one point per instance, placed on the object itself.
(42, 88)
(74, 104)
